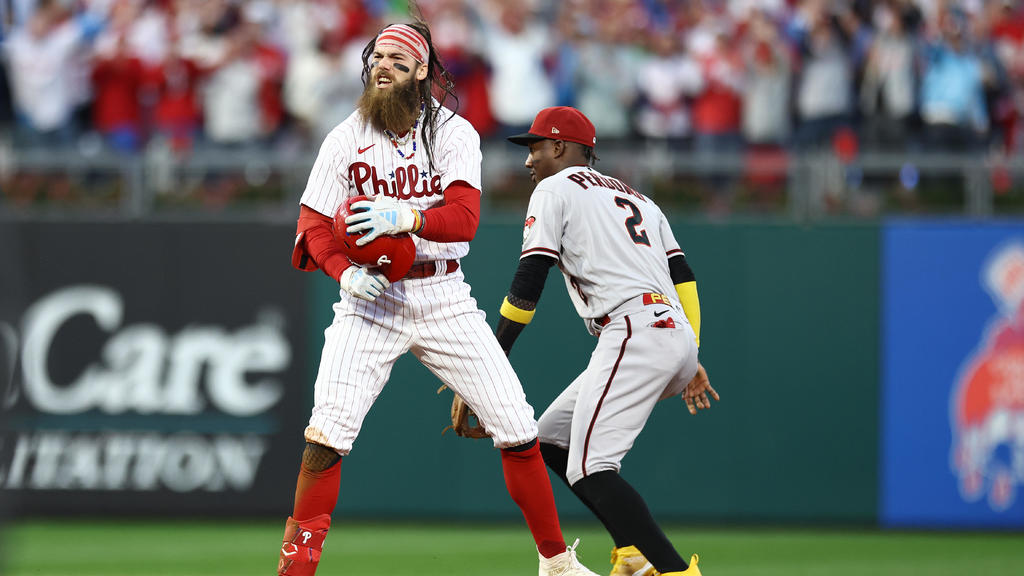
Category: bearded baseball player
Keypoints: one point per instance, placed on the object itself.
(419, 163)
(630, 282)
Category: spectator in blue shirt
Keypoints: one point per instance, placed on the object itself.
(953, 107)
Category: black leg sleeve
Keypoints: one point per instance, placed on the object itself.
(617, 503)
(557, 460)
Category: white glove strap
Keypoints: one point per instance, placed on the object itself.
(405, 219)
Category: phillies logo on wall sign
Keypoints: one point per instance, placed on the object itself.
(987, 403)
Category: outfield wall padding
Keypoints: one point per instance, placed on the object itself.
(789, 338)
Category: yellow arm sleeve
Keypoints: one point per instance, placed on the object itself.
(687, 292)
(510, 311)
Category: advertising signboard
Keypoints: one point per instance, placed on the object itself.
(150, 368)
(953, 378)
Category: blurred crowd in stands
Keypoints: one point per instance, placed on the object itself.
(710, 76)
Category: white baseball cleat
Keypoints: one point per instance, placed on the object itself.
(564, 564)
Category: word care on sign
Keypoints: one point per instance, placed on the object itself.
(152, 370)
(194, 400)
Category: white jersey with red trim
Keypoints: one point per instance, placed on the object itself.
(611, 242)
(356, 159)
(435, 317)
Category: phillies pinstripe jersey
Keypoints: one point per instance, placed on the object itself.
(435, 317)
(355, 159)
(611, 242)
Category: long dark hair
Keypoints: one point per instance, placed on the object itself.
(438, 84)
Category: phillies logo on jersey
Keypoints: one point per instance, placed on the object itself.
(987, 403)
(528, 226)
(402, 183)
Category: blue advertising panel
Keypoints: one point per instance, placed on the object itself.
(953, 375)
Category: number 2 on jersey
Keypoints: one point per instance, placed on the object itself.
(639, 235)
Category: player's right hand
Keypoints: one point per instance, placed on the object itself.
(363, 283)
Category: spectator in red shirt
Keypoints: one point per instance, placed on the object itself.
(117, 77)
(455, 38)
(177, 115)
(271, 63)
(717, 107)
(1007, 33)
(352, 22)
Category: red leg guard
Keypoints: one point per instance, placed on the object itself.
(303, 543)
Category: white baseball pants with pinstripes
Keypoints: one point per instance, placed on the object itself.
(438, 320)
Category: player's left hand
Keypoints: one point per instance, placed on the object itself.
(696, 392)
(464, 421)
(379, 218)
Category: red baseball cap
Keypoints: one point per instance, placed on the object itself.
(559, 123)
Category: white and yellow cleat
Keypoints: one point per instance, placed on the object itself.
(564, 564)
(628, 561)
(691, 571)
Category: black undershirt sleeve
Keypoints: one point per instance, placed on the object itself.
(529, 280)
(527, 285)
(680, 270)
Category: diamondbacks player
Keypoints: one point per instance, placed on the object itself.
(421, 164)
(630, 282)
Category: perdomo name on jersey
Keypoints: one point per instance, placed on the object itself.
(584, 176)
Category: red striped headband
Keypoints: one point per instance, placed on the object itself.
(406, 39)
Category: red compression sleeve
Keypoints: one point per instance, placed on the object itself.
(316, 492)
(457, 219)
(318, 242)
(527, 481)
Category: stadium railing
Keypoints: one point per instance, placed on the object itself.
(265, 184)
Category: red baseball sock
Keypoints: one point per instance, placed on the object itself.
(528, 484)
(316, 492)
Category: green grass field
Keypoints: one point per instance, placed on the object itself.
(190, 548)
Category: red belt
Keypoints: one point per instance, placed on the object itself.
(428, 269)
(649, 298)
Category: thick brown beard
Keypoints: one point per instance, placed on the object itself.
(394, 109)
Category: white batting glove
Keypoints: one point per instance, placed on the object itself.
(379, 218)
(363, 283)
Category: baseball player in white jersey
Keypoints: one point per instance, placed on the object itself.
(630, 282)
(420, 164)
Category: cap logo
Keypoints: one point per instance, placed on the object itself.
(555, 130)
